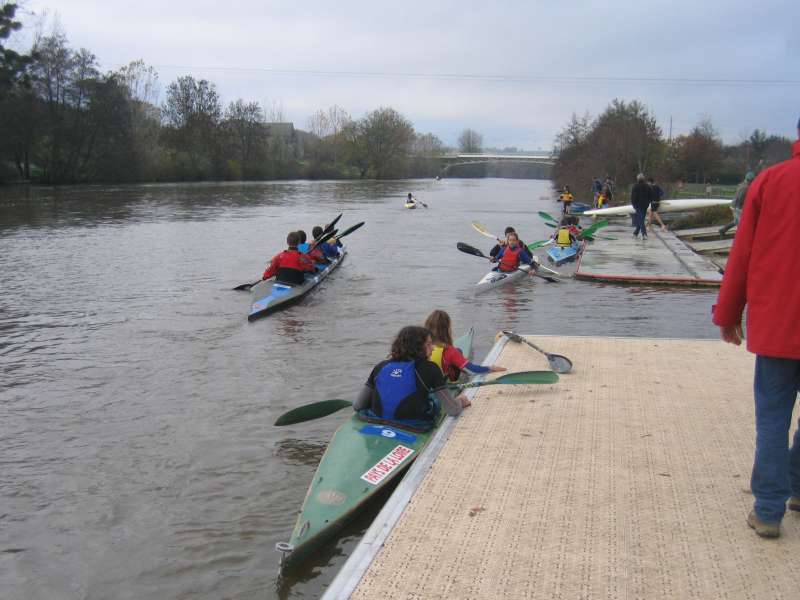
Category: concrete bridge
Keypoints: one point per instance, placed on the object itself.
(458, 159)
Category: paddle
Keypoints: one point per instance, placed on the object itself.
(316, 410)
(559, 364)
(331, 225)
(540, 244)
(547, 216)
(483, 231)
(419, 201)
(320, 240)
(349, 230)
(466, 248)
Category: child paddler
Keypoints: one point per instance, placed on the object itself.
(290, 265)
(502, 243)
(398, 390)
(568, 231)
(445, 354)
(312, 251)
(329, 250)
(512, 254)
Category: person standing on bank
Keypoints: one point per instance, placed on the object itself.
(761, 275)
(641, 195)
(658, 195)
(737, 205)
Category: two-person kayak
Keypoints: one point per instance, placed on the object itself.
(494, 279)
(270, 295)
(361, 459)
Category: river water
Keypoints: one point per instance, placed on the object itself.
(137, 455)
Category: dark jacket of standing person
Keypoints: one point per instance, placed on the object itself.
(641, 195)
(761, 271)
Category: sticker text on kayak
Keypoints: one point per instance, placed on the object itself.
(380, 470)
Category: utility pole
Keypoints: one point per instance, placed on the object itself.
(670, 129)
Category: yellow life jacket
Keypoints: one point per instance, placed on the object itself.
(567, 197)
(436, 356)
(563, 239)
(601, 199)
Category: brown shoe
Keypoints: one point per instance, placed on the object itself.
(765, 530)
(794, 503)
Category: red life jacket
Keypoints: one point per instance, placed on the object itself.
(288, 259)
(510, 259)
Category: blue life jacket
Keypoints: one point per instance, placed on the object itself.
(395, 382)
(303, 248)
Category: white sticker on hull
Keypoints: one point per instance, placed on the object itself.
(380, 470)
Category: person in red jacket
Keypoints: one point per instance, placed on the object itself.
(763, 274)
(289, 265)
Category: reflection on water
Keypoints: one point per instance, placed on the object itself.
(137, 401)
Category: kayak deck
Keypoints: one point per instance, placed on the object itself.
(361, 460)
(268, 296)
(494, 279)
(560, 255)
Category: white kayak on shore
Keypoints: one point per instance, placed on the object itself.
(664, 206)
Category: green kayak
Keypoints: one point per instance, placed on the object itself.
(361, 459)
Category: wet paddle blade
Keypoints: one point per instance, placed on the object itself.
(526, 377)
(349, 230)
(309, 412)
(469, 249)
(539, 244)
(559, 364)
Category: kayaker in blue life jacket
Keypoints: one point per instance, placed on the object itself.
(501, 244)
(512, 254)
(399, 389)
(449, 358)
(329, 250)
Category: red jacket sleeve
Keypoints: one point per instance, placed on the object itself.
(733, 291)
(272, 267)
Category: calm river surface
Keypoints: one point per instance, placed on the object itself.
(137, 455)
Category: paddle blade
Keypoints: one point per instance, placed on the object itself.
(332, 224)
(526, 377)
(594, 227)
(539, 244)
(246, 286)
(547, 216)
(324, 238)
(469, 249)
(482, 230)
(350, 230)
(559, 364)
(309, 412)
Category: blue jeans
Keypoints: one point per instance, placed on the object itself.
(638, 221)
(776, 469)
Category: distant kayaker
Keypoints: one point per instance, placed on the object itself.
(446, 356)
(411, 199)
(502, 243)
(597, 189)
(289, 265)
(399, 389)
(512, 254)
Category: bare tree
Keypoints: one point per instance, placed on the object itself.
(470, 141)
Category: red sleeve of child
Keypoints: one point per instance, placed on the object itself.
(453, 356)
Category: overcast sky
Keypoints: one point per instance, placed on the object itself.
(513, 71)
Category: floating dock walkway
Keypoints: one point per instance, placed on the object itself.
(627, 479)
(663, 259)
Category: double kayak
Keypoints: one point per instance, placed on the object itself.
(562, 254)
(361, 460)
(270, 295)
(494, 279)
